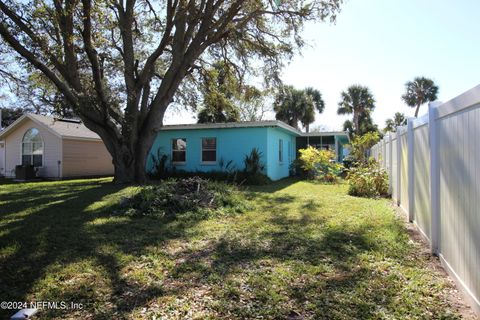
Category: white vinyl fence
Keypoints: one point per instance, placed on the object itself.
(433, 164)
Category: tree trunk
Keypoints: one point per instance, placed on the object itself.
(142, 152)
(131, 165)
(416, 110)
(124, 171)
(356, 123)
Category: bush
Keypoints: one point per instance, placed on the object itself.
(252, 174)
(359, 146)
(194, 195)
(253, 163)
(368, 180)
(318, 164)
(160, 167)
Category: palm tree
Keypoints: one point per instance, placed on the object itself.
(314, 102)
(397, 121)
(359, 101)
(293, 106)
(419, 91)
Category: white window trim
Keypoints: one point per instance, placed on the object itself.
(178, 163)
(43, 147)
(208, 163)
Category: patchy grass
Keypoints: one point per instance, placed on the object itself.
(305, 251)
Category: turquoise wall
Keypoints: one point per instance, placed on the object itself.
(232, 144)
(276, 169)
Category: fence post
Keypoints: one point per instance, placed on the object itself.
(399, 158)
(410, 168)
(384, 151)
(390, 164)
(434, 178)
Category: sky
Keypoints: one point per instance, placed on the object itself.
(382, 44)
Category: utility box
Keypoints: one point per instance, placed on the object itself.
(25, 172)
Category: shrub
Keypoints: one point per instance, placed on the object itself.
(253, 163)
(253, 173)
(319, 164)
(194, 195)
(159, 166)
(360, 144)
(368, 180)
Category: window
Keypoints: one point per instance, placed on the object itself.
(32, 148)
(209, 149)
(289, 151)
(280, 150)
(179, 150)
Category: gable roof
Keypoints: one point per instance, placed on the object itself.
(242, 124)
(61, 128)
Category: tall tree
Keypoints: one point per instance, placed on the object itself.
(359, 101)
(9, 115)
(419, 91)
(252, 104)
(219, 89)
(397, 121)
(120, 64)
(366, 125)
(295, 106)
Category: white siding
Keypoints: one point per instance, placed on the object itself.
(52, 152)
(2, 158)
(86, 158)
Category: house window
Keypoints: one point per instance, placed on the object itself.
(289, 151)
(280, 150)
(209, 149)
(32, 148)
(179, 150)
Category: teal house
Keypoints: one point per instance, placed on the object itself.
(205, 147)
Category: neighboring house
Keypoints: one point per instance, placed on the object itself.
(58, 148)
(335, 141)
(204, 147)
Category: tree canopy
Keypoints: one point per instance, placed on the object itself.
(359, 101)
(220, 89)
(295, 106)
(121, 64)
(419, 91)
(398, 120)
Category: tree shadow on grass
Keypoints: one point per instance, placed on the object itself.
(117, 265)
(44, 230)
(291, 244)
(274, 186)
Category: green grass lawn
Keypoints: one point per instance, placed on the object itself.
(303, 251)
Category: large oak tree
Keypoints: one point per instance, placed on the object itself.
(121, 63)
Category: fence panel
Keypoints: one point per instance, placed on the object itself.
(421, 179)
(403, 170)
(446, 168)
(459, 195)
(394, 176)
(387, 154)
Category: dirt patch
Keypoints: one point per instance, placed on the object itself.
(453, 295)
